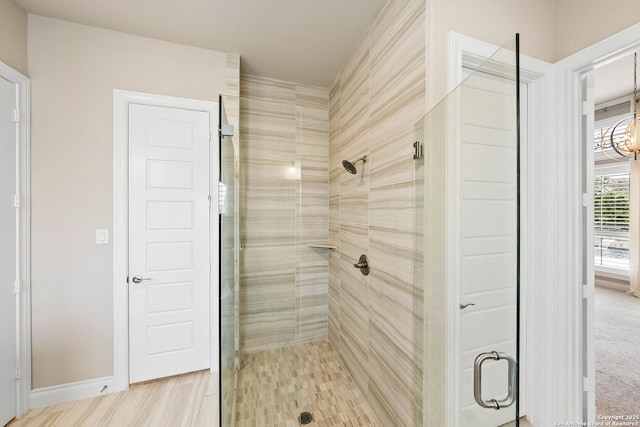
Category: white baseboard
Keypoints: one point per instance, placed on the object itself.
(604, 282)
(53, 395)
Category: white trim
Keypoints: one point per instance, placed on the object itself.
(587, 232)
(23, 302)
(611, 273)
(121, 100)
(606, 282)
(47, 396)
(571, 328)
(611, 168)
(536, 216)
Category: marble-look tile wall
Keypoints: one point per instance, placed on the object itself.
(283, 208)
(374, 105)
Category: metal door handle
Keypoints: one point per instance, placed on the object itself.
(463, 306)
(138, 279)
(477, 380)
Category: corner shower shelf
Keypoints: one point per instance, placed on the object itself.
(322, 245)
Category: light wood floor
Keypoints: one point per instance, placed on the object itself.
(184, 400)
(191, 400)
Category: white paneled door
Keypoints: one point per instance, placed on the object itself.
(8, 252)
(169, 261)
(487, 244)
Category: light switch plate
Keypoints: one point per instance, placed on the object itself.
(102, 236)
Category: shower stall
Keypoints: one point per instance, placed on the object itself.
(311, 201)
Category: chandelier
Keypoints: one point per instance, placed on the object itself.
(624, 142)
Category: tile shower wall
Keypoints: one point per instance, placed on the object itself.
(373, 106)
(284, 206)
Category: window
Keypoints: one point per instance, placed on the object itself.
(611, 195)
(611, 217)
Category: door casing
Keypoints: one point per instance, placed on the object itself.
(466, 52)
(23, 332)
(121, 100)
(577, 380)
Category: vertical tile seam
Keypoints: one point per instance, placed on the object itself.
(368, 199)
(339, 143)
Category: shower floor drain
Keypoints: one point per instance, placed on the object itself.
(305, 418)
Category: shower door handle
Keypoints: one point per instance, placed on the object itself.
(477, 380)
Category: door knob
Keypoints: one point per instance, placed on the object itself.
(138, 279)
(463, 306)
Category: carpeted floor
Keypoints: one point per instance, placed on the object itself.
(617, 347)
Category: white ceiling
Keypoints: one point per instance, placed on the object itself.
(305, 41)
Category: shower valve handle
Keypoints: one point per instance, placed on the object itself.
(363, 265)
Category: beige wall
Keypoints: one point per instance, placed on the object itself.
(74, 69)
(581, 23)
(495, 22)
(13, 36)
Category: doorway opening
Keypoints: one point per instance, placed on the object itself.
(615, 324)
(15, 337)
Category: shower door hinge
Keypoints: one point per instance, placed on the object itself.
(588, 292)
(226, 130)
(588, 384)
(417, 150)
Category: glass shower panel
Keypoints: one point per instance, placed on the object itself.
(229, 261)
(269, 332)
(471, 250)
(418, 275)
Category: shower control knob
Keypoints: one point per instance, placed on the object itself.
(363, 265)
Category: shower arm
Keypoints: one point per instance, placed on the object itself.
(363, 159)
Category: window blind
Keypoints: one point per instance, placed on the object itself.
(611, 220)
(599, 133)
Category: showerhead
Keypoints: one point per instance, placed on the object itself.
(351, 167)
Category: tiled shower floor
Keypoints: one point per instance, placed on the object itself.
(275, 386)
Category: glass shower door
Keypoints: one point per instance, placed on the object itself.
(471, 258)
(229, 247)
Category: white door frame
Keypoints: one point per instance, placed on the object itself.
(571, 218)
(540, 78)
(23, 188)
(121, 101)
